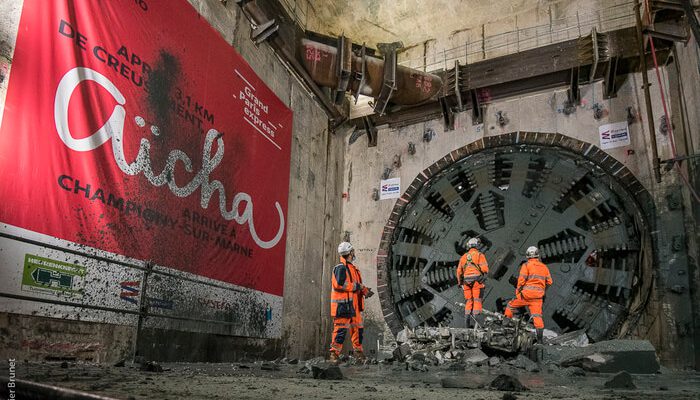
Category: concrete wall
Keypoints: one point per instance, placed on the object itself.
(364, 218)
(313, 219)
(685, 93)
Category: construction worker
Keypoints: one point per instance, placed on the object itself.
(471, 275)
(533, 281)
(347, 303)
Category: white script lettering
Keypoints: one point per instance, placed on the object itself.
(114, 129)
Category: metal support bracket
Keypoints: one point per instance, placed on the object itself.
(448, 116)
(458, 94)
(679, 159)
(477, 114)
(574, 93)
(610, 79)
(343, 68)
(692, 19)
(360, 76)
(666, 36)
(389, 84)
(371, 131)
(262, 32)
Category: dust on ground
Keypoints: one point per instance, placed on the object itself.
(284, 380)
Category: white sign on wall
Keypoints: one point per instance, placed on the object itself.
(390, 189)
(614, 135)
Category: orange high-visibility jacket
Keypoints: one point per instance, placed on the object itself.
(471, 266)
(346, 295)
(534, 279)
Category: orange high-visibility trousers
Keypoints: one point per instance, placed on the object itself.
(534, 306)
(341, 328)
(472, 297)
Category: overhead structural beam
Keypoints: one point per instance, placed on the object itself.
(543, 68)
(382, 79)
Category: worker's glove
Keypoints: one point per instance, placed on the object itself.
(368, 293)
(459, 283)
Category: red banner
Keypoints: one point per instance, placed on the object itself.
(131, 126)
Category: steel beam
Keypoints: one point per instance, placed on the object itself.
(547, 67)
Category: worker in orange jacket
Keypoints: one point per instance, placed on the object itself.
(533, 281)
(347, 303)
(472, 271)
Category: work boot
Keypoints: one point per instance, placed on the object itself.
(540, 335)
(360, 355)
(333, 357)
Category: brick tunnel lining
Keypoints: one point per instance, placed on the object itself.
(448, 202)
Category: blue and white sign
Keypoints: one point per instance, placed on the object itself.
(614, 135)
(390, 189)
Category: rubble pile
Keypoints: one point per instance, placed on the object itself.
(500, 342)
(495, 333)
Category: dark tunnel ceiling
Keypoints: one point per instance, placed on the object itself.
(514, 197)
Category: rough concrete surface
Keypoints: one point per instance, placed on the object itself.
(251, 381)
(636, 356)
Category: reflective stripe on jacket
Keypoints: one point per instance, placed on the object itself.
(347, 282)
(534, 279)
(471, 266)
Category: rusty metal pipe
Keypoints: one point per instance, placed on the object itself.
(412, 86)
(258, 17)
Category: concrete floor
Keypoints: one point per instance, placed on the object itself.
(250, 381)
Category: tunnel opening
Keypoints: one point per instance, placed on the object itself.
(583, 209)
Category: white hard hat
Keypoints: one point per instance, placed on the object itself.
(344, 248)
(473, 242)
(532, 252)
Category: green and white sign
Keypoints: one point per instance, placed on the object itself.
(52, 277)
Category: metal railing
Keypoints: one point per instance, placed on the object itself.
(614, 17)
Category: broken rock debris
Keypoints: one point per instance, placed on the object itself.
(500, 341)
